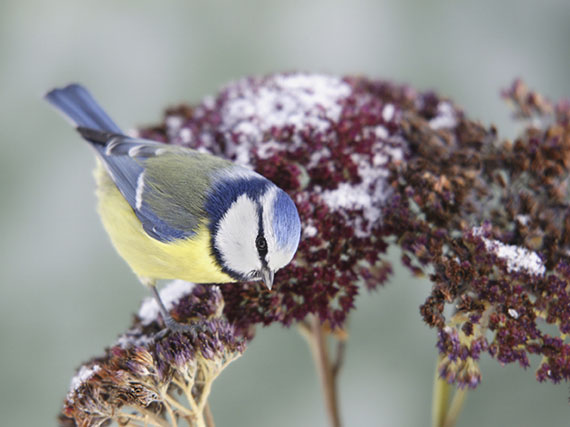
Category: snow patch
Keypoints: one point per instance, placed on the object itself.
(269, 148)
(523, 219)
(371, 193)
(186, 135)
(173, 123)
(381, 132)
(317, 155)
(83, 375)
(446, 117)
(300, 101)
(310, 231)
(518, 258)
(169, 295)
(388, 112)
(513, 313)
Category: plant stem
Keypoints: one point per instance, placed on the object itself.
(341, 345)
(148, 418)
(444, 412)
(208, 416)
(455, 407)
(120, 416)
(186, 389)
(440, 402)
(178, 406)
(170, 412)
(327, 372)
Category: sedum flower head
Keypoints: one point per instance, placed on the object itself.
(371, 163)
(330, 143)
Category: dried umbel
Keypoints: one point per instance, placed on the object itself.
(370, 163)
(330, 143)
(493, 223)
(139, 379)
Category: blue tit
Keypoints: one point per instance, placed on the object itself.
(176, 213)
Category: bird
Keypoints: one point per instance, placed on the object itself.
(173, 212)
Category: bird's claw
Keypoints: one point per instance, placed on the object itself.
(173, 326)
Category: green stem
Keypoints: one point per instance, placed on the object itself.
(440, 402)
(446, 409)
(455, 407)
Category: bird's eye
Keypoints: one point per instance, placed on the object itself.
(261, 245)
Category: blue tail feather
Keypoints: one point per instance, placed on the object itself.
(99, 130)
(78, 104)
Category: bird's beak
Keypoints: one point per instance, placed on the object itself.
(267, 277)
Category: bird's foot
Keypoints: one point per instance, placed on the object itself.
(173, 326)
(183, 328)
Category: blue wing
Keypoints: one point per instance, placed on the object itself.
(123, 156)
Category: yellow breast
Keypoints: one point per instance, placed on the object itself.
(187, 259)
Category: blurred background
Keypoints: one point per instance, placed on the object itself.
(66, 294)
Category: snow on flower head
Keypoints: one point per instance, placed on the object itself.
(517, 258)
(329, 142)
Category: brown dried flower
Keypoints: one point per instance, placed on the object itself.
(138, 380)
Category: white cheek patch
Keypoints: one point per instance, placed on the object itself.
(277, 257)
(235, 239)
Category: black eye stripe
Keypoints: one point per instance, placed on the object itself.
(261, 245)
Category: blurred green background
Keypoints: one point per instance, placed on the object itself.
(66, 294)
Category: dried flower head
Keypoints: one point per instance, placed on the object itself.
(330, 143)
(492, 217)
(370, 163)
(138, 380)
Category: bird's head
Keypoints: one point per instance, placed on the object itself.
(258, 232)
